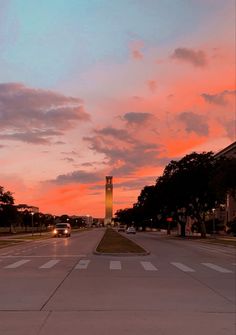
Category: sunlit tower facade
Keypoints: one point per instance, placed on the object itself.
(108, 200)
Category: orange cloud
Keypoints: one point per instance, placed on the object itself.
(152, 85)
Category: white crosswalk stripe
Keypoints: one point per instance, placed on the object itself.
(17, 264)
(217, 268)
(148, 266)
(83, 264)
(115, 265)
(49, 264)
(182, 267)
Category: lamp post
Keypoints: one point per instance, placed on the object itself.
(151, 223)
(32, 222)
(213, 221)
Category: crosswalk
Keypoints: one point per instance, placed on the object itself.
(183, 267)
(17, 264)
(117, 265)
(49, 264)
(83, 264)
(148, 266)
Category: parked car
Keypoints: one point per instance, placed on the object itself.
(131, 230)
(62, 229)
(121, 228)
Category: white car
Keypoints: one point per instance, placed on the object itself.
(121, 228)
(63, 229)
(130, 230)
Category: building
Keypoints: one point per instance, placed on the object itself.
(29, 208)
(229, 151)
(230, 205)
(108, 200)
(82, 220)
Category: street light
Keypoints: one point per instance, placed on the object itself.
(32, 222)
(213, 222)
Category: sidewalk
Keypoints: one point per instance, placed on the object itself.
(211, 239)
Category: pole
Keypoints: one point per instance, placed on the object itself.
(213, 222)
(32, 223)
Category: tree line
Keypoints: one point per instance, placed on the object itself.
(15, 218)
(190, 188)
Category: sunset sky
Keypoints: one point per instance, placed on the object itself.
(90, 88)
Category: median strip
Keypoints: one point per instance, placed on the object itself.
(116, 244)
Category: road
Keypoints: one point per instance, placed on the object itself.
(58, 286)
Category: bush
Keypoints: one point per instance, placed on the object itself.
(232, 227)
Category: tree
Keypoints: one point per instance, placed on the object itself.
(6, 197)
(146, 207)
(190, 187)
(8, 212)
(125, 215)
(185, 187)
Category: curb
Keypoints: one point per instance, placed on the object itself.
(122, 254)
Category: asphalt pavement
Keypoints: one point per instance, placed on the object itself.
(58, 286)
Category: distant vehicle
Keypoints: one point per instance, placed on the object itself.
(62, 229)
(121, 227)
(131, 230)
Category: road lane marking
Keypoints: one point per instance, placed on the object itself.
(148, 266)
(17, 264)
(49, 264)
(83, 264)
(217, 268)
(182, 267)
(115, 265)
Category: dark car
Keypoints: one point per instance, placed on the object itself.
(62, 229)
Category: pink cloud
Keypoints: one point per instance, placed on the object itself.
(152, 85)
(136, 52)
(197, 58)
(36, 115)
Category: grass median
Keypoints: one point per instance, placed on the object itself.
(115, 243)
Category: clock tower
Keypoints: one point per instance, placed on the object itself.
(108, 200)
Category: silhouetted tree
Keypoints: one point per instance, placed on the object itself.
(8, 212)
(6, 197)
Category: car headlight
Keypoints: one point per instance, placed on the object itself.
(66, 231)
(54, 231)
